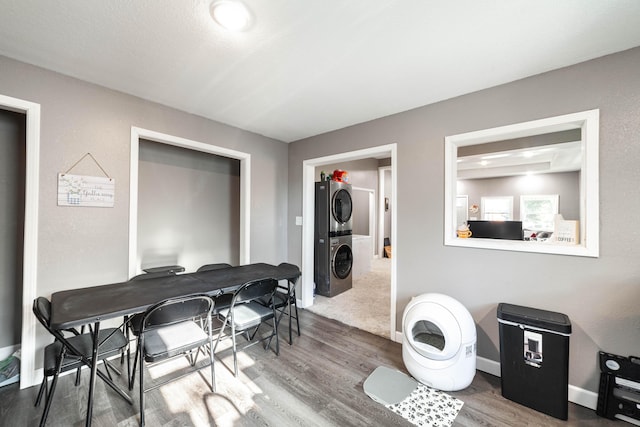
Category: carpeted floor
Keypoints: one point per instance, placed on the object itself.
(367, 305)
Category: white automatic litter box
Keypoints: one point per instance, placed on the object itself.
(439, 342)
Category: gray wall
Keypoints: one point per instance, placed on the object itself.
(89, 246)
(599, 295)
(566, 185)
(12, 184)
(188, 207)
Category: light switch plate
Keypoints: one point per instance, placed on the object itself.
(298, 220)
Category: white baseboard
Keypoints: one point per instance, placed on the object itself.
(8, 351)
(577, 395)
(5, 352)
(489, 366)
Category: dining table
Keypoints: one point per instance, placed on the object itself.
(92, 305)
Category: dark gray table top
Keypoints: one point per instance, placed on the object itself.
(77, 307)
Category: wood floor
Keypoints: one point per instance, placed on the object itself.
(315, 382)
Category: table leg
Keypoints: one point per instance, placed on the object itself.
(94, 368)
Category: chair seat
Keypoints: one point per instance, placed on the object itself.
(172, 340)
(279, 297)
(84, 344)
(248, 315)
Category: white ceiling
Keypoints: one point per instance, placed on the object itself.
(306, 67)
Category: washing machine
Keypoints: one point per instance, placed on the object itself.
(334, 264)
(334, 208)
(333, 257)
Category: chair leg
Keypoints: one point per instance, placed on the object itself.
(233, 340)
(132, 376)
(211, 361)
(141, 340)
(275, 332)
(128, 338)
(43, 389)
(295, 306)
(52, 390)
(289, 307)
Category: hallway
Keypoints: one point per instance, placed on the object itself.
(366, 306)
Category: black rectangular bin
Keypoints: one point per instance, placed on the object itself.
(534, 358)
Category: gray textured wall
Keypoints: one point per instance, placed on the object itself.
(89, 246)
(599, 295)
(188, 207)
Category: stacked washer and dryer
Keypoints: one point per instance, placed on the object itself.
(333, 257)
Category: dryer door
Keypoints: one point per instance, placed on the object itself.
(342, 261)
(341, 206)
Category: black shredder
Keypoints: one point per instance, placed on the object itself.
(534, 358)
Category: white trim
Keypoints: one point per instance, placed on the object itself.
(489, 366)
(245, 187)
(308, 179)
(577, 395)
(381, 194)
(373, 214)
(30, 262)
(589, 122)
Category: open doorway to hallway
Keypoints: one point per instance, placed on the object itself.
(370, 270)
(12, 210)
(373, 289)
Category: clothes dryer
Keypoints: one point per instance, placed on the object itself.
(334, 208)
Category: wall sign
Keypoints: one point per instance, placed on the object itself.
(81, 190)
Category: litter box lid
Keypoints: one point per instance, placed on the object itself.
(388, 386)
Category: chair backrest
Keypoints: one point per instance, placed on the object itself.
(210, 267)
(146, 276)
(293, 268)
(254, 290)
(42, 310)
(175, 310)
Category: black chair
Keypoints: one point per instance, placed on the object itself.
(134, 323)
(223, 300)
(210, 267)
(173, 328)
(246, 315)
(285, 300)
(69, 353)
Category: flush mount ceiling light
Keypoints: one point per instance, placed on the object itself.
(230, 14)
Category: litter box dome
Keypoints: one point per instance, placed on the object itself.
(439, 342)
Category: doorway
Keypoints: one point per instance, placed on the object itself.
(308, 179)
(12, 194)
(30, 235)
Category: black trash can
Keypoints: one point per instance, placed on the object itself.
(534, 358)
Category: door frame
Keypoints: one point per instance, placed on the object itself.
(30, 260)
(381, 205)
(308, 197)
(245, 187)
